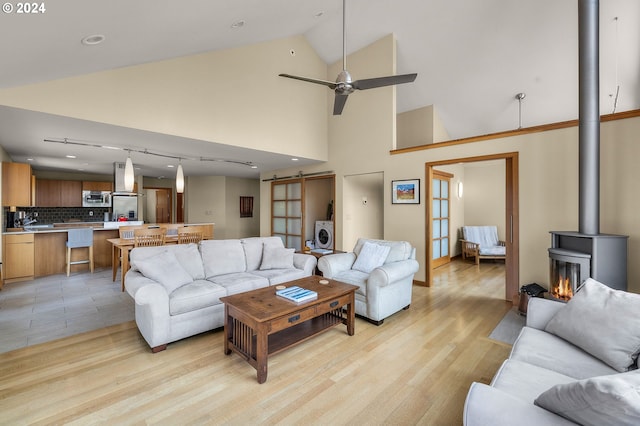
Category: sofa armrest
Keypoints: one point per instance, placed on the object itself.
(540, 311)
(332, 264)
(152, 314)
(306, 262)
(488, 406)
(392, 272)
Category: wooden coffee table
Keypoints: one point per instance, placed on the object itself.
(258, 323)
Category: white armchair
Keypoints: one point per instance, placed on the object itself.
(481, 242)
(383, 271)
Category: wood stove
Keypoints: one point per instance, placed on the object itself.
(574, 257)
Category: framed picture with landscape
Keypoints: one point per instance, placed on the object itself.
(405, 191)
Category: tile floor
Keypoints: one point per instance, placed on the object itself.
(57, 306)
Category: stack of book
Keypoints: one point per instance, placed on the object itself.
(297, 294)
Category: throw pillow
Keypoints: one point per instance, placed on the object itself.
(602, 321)
(604, 400)
(371, 256)
(277, 258)
(165, 269)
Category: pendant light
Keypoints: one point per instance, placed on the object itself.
(179, 179)
(128, 174)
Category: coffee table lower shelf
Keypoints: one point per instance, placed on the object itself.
(254, 340)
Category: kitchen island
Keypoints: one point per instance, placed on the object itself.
(41, 250)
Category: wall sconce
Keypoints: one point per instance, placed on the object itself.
(179, 179)
(128, 174)
(460, 189)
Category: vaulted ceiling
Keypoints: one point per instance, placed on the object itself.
(472, 56)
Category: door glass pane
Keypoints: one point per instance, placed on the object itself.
(444, 227)
(436, 208)
(445, 189)
(445, 208)
(445, 246)
(436, 188)
(436, 228)
(294, 191)
(279, 225)
(294, 226)
(436, 249)
(279, 208)
(294, 208)
(293, 242)
(279, 192)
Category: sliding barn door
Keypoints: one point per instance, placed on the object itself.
(286, 212)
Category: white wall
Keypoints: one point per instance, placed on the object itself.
(484, 194)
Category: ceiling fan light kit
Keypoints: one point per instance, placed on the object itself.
(344, 84)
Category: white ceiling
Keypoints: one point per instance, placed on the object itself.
(472, 57)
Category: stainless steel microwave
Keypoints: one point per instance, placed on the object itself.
(96, 199)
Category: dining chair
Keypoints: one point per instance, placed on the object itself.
(148, 237)
(190, 234)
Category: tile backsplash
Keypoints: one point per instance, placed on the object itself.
(47, 215)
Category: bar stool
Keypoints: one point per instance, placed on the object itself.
(80, 238)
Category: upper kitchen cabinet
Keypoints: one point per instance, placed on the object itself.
(16, 184)
(58, 193)
(97, 186)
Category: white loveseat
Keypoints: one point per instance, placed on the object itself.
(177, 288)
(572, 363)
(383, 271)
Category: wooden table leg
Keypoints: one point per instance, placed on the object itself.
(124, 251)
(351, 316)
(228, 330)
(115, 260)
(262, 351)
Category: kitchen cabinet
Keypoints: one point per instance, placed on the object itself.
(97, 186)
(70, 193)
(16, 184)
(18, 257)
(58, 193)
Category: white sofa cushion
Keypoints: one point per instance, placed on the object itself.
(190, 259)
(279, 276)
(370, 257)
(548, 351)
(221, 257)
(526, 381)
(398, 250)
(276, 258)
(602, 321)
(604, 400)
(197, 295)
(252, 252)
(240, 282)
(164, 268)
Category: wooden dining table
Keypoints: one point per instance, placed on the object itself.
(121, 248)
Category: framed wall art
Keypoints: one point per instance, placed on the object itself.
(405, 191)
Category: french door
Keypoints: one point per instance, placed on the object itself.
(440, 238)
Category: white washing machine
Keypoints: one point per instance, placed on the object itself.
(324, 234)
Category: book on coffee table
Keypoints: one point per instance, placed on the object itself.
(297, 294)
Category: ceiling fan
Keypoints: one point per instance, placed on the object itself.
(344, 85)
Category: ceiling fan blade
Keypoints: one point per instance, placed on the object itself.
(329, 84)
(372, 83)
(338, 104)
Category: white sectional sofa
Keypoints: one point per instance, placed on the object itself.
(572, 363)
(177, 288)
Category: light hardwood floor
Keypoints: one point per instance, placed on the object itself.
(414, 369)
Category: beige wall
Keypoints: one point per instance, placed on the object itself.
(361, 138)
(420, 126)
(484, 194)
(363, 219)
(215, 199)
(230, 96)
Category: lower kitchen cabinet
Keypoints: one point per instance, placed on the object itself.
(19, 256)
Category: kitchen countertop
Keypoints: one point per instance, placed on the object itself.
(65, 226)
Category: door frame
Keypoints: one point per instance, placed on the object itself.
(512, 218)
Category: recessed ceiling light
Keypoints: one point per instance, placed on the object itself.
(29, 159)
(93, 39)
(294, 159)
(170, 165)
(238, 24)
(70, 156)
(254, 167)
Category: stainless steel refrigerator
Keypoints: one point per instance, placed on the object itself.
(125, 206)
